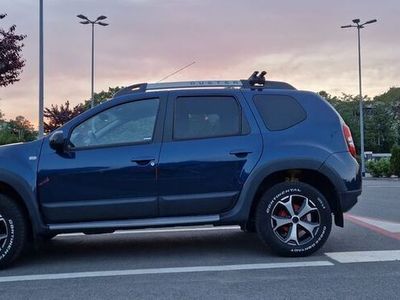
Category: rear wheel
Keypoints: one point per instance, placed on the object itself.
(13, 231)
(293, 219)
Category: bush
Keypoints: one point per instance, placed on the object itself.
(395, 160)
(372, 168)
(379, 167)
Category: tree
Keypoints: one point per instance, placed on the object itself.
(381, 118)
(101, 97)
(17, 130)
(23, 129)
(380, 127)
(395, 160)
(347, 107)
(11, 62)
(59, 115)
(391, 100)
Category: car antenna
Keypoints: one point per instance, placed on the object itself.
(177, 71)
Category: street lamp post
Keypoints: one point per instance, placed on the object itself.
(96, 22)
(359, 26)
(41, 76)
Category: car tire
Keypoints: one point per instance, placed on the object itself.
(293, 219)
(13, 231)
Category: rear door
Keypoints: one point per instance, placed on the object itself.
(211, 144)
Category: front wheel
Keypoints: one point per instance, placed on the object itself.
(13, 231)
(293, 219)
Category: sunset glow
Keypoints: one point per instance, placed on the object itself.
(295, 41)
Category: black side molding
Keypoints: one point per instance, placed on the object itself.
(133, 224)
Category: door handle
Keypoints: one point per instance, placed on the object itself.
(240, 153)
(144, 161)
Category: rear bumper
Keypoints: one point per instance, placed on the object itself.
(345, 174)
(349, 199)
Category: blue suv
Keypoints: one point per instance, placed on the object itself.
(255, 153)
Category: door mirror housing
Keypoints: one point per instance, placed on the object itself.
(57, 141)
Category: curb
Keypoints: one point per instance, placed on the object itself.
(381, 178)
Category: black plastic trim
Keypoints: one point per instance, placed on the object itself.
(132, 224)
(349, 199)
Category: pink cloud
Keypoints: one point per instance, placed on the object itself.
(299, 42)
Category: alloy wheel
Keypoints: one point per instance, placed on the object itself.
(295, 220)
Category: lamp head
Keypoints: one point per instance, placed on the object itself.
(82, 17)
(370, 21)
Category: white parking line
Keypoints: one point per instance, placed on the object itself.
(365, 256)
(162, 230)
(382, 186)
(322, 263)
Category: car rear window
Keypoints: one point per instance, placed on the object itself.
(279, 112)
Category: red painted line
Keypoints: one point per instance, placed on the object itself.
(379, 230)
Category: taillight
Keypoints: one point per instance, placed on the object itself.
(349, 140)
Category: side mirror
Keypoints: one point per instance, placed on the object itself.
(57, 141)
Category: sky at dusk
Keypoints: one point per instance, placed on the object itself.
(295, 41)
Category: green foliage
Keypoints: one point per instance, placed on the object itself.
(381, 118)
(17, 130)
(395, 160)
(102, 96)
(7, 137)
(347, 106)
(379, 167)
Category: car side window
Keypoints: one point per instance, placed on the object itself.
(279, 112)
(126, 123)
(205, 117)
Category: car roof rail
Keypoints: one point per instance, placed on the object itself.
(254, 82)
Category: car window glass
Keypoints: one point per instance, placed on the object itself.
(131, 122)
(279, 112)
(202, 117)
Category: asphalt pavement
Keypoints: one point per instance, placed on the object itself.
(359, 261)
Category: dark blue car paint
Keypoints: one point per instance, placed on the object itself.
(316, 144)
(18, 170)
(202, 176)
(117, 185)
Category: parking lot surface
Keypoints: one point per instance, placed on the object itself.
(359, 261)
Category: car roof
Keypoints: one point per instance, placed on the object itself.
(209, 84)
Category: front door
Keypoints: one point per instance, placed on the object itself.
(109, 171)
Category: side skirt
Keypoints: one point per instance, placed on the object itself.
(109, 226)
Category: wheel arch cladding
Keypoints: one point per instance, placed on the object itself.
(312, 177)
(11, 186)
